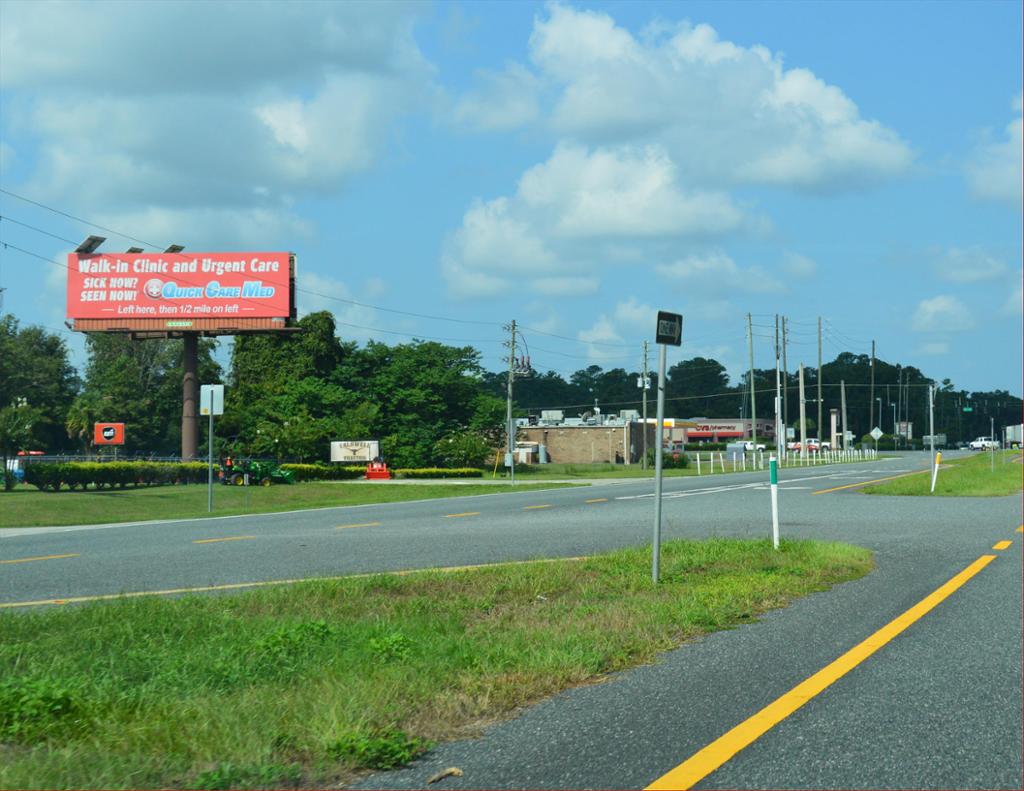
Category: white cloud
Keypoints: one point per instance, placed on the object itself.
(716, 273)
(178, 120)
(726, 114)
(1014, 305)
(996, 168)
(799, 265)
(326, 293)
(635, 313)
(941, 314)
(934, 348)
(968, 265)
(503, 100)
(597, 339)
(576, 214)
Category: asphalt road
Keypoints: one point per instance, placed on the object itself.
(937, 707)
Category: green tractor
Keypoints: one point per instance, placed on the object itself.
(263, 473)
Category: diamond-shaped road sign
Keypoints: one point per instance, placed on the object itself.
(876, 433)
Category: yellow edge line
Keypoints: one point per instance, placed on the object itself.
(867, 483)
(230, 538)
(1002, 545)
(1020, 529)
(268, 583)
(534, 507)
(598, 500)
(43, 557)
(707, 760)
(468, 513)
(364, 524)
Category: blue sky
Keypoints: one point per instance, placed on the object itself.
(574, 166)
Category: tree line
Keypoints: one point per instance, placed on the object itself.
(428, 403)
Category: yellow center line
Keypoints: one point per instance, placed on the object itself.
(43, 557)
(534, 507)
(267, 583)
(867, 483)
(1002, 545)
(598, 500)
(231, 538)
(707, 760)
(468, 513)
(363, 524)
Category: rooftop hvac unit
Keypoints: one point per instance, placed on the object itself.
(552, 415)
(573, 421)
(629, 414)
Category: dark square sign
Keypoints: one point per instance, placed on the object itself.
(670, 329)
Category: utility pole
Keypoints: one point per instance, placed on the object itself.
(931, 423)
(644, 383)
(871, 421)
(753, 400)
(899, 406)
(511, 428)
(780, 432)
(842, 396)
(821, 431)
(785, 378)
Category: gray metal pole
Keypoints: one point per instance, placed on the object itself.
(785, 380)
(931, 423)
(780, 431)
(656, 551)
(871, 419)
(511, 426)
(803, 415)
(821, 431)
(643, 460)
(209, 482)
(753, 398)
(842, 394)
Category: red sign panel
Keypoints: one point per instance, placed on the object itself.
(108, 434)
(175, 286)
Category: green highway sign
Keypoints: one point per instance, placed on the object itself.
(968, 409)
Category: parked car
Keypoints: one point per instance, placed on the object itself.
(984, 443)
(750, 446)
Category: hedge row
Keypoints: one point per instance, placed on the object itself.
(108, 475)
(438, 472)
(324, 472)
(121, 474)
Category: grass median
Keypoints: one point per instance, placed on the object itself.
(972, 476)
(25, 507)
(310, 684)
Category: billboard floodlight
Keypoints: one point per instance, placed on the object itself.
(90, 245)
(134, 250)
(175, 248)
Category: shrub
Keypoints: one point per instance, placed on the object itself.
(438, 472)
(111, 474)
(324, 472)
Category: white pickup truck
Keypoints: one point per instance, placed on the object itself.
(984, 443)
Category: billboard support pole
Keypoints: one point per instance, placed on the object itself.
(190, 394)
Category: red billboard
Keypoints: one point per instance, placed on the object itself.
(179, 288)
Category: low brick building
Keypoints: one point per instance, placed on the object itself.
(619, 443)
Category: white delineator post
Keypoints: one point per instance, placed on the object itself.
(774, 478)
(935, 469)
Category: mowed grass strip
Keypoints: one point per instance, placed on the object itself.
(971, 476)
(311, 684)
(25, 507)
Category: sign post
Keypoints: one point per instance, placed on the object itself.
(669, 331)
(876, 434)
(211, 402)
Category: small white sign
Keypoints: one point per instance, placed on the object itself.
(211, 400)
(355, 450)
(876, 433)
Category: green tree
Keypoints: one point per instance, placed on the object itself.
(138, 383)
(16, 429)
(35, 366)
